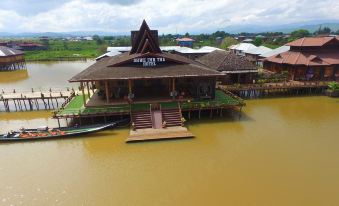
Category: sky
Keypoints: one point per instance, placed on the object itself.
(167, 16)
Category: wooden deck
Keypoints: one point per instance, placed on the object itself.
(159, 134)
(34, 100)
(291, 88)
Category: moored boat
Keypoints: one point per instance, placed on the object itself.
(44, 132)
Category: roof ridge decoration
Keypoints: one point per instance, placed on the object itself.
(144, 41)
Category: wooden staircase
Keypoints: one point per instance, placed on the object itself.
(142, 119)
(172, 117)
(155, 117)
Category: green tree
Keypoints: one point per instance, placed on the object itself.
(257, 41)
(325, 30)
(227, 42)
(300, 34)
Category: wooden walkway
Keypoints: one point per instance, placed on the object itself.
(33, 100)
(271, 89)
(140, 135)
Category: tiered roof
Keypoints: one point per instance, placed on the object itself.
(145, 60)
(325, 52)
(227, 62)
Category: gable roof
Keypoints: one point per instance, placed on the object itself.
(144, 61)
(6, 51)
(185, 39)
(243, 47)
(306, 58)
(259, 50)
(109, 68)
(145, 40)
(227, 62)
(276, 51)
(312, 41)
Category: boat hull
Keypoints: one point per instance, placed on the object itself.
(35, 134)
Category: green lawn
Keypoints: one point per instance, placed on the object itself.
(76, 105)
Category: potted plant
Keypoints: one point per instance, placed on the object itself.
(333, 89)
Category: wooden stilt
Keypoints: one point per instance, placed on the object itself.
(107, 91)
(88, 91)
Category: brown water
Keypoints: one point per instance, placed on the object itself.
(282, 152)
(43, 75)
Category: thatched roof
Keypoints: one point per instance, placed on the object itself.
(227, 62)
(144, 61)
(122, 67)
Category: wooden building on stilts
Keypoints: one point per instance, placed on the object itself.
(153, 87)
(11, 59)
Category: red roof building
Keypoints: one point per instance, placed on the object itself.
(309, 58)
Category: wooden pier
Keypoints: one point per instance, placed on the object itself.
(292, 88)
(34, 100)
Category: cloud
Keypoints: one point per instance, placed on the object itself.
(167, 16)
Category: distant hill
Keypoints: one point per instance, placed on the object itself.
(287, 28)
(58, 34)
(235, 29)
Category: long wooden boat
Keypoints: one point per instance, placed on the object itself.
(47, 133)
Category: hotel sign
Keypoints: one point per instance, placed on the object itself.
(149, 61)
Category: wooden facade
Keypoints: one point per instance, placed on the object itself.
(11, 59)
(146, 74)
(309, 59)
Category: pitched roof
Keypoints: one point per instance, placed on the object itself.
(259, 50)
(6, 51)
(144, 61)
(121, 67)
(276, 51)
(184, 39)
(312, 41)
(145, 40)
(306, 58)
(227, 62)
(243, 47)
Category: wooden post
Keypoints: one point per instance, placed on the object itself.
(58, 122)
(173, 88)
(89, 94)
(83, 92)
(92, 83)
(107, 91)
(129, 87)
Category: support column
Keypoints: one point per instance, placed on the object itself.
(92, 83)
(83, 92)
(107, 91)
(129, 86)
(89, 94)
(173, 88)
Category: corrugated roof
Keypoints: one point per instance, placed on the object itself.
(6, 51)
(243, 47)
(259, 50)
(112, 51)
(276, 51)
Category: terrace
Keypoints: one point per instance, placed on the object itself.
(75, 108)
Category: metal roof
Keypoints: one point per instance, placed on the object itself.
(112, 51)
(6, 51)
(276, 51)
(259, 50)
(243, 47)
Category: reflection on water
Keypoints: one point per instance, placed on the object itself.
(285, 152)
(13, 76)
(42, 75)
